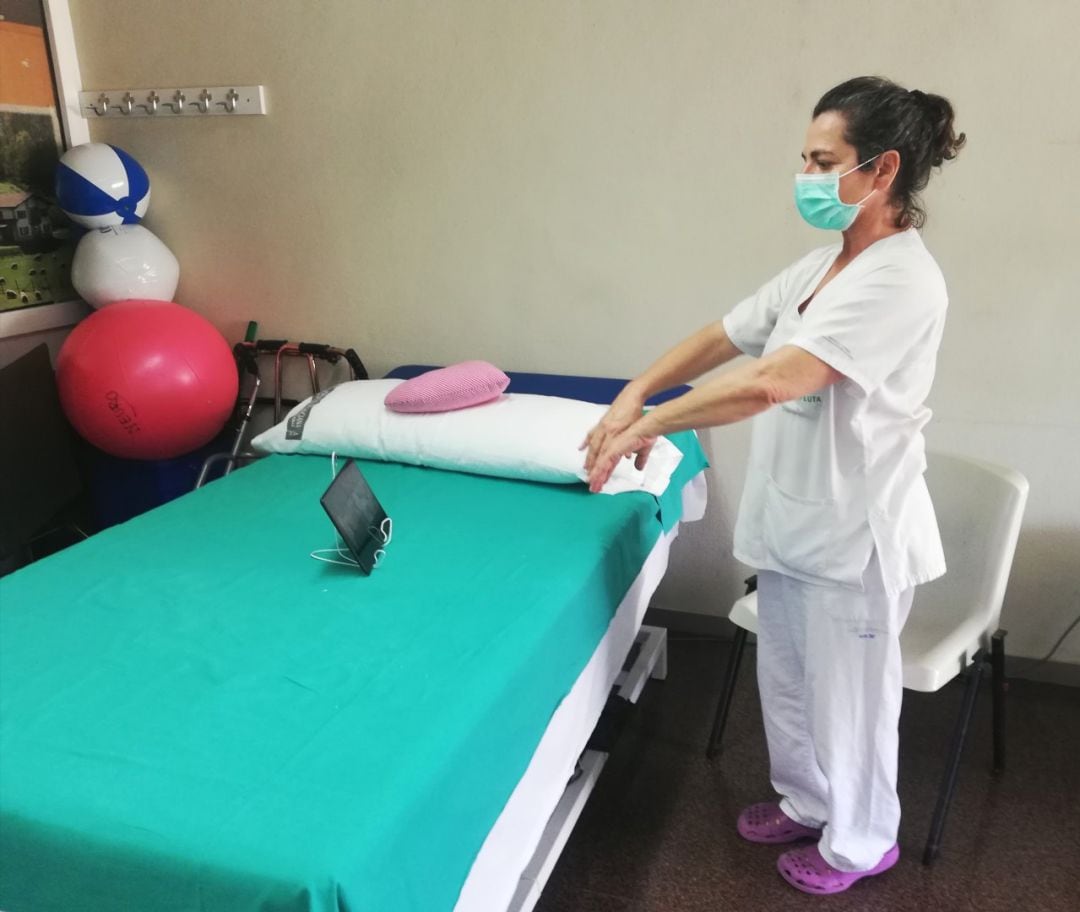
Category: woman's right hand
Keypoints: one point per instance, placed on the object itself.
(623, 412)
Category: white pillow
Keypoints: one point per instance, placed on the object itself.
(516, 436)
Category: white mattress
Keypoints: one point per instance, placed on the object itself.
(512, 840)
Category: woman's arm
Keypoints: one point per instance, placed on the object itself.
(787, 373)
(709, 347)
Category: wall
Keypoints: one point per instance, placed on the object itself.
(573, 186)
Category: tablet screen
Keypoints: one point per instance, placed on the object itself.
(356, 513)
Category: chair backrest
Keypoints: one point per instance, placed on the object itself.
(979, 508)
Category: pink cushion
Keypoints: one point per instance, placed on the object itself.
(449, 388)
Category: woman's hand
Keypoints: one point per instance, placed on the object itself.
(624, 411)
(616, 447)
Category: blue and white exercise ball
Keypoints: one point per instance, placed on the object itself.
(99, 185)
(121, 263)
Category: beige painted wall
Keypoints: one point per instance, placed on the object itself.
(572, 186)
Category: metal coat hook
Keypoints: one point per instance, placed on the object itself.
(127, 103)
(152, 102)
(231, 98)
(178, 102)
(102, 106)
(204, 100)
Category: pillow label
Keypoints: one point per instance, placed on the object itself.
(294, 427)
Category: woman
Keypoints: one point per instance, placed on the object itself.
(835, 514)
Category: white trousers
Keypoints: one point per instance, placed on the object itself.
(831, 683)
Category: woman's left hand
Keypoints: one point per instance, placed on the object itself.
(616, 447)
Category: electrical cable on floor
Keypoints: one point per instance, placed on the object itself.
(1035, 663)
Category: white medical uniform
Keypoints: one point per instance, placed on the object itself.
(837, 519)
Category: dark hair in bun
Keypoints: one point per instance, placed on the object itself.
(882, 115)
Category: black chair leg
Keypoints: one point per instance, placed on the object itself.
(1001, 687)
(738, 644)
(948, 782)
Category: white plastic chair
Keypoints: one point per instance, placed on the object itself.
(953, 625)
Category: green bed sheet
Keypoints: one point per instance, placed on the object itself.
(196, 715)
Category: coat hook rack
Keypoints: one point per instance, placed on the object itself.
(197, 101)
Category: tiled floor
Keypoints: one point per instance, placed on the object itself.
(658, 833)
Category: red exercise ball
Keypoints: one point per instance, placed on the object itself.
(146, 379)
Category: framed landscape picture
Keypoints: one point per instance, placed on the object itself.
(37, 123)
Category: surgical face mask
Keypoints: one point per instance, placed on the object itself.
(817, 197)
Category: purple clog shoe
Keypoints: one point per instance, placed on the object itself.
(767, 824)
(806, 870)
